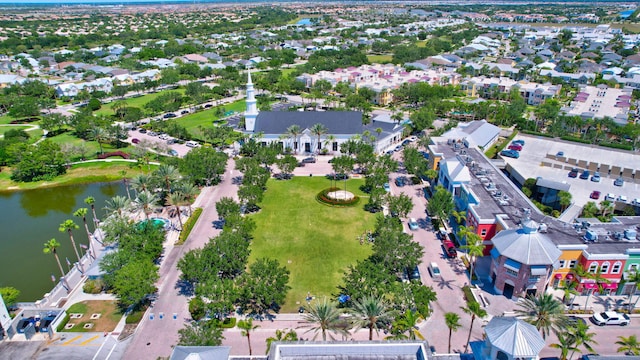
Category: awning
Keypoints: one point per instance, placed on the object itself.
(558, 276)
(494, 253)
(590, 286)
(569, 276)
(512, 265)
(538, 270)
(611, 286)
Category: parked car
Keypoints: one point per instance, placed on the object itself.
(184, 112)
(173, 152)
(135, 141)
(515, 147)
(152, 133)
(400, 181)
(434, 270)
(636, 202)
(450, 248)
(595, 194)
(191, 144)
(595, 177)
(585, 175)
(309, 160)
(24, 323)
(573, 173)
(386, 187)
(610, 197)
(560, 154)
(414, 274)
(169, 115)
(622, 199)
(142, 131)
(208, 106)
(519, 142)
(45, 323)
(510, 153)
(618, 182)
(413, 224)
(163, 136)
(610, 318)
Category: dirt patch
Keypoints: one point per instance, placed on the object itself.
(109, 316)
(128, 330)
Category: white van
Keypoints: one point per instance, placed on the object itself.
(434, 270)
(192, 144)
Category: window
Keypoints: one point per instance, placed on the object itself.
(616, 267)
(633, 268)
(572, 264)
(605, 267)
(334, 146)
(512, 273)
(483, 232)
(593, 268)
(562, 264)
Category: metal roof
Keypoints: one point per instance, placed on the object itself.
(514, 336)
(337, 122)
(526, 245)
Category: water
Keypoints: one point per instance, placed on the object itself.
(304, 22)
(28, 219)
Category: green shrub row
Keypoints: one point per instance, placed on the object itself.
(495, 149)
(468, 295)
(188, 225)
(617, 146)
(63, 323)
(535, 133)
(323, 198)
(575, 139)
(227, 323)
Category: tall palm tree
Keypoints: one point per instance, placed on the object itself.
(167, 174)
(597, 276)
(67, 226)
(246, 327)
(190, 192)
(582, 337)
(329, 139)
(570, 289)
(294, 131)
(566, 342)
(123, 173)
(474, 246)
(606, 207)
(145, 201)
(282, 335)
(372, 313)
(629, 345)
(92, 202)
(544, 312)
(141, 182)
(452, 320)
(323, 317)
(117, 205)
(319, 130)
(564, 199)
(176, 199)
(473, 308)
(633, 277)
(51, 247)
(82, 213)
(409, 322)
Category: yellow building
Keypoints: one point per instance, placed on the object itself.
(568, 260)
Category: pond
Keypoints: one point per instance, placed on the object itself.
(30, 218)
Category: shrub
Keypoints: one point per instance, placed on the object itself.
(468, 294)
(63, 323)
(617, 146)
(197, 308)
(93, 286)
(122, 154)
(323, 198)
(227, 323)
(135, 316)
(188, 225)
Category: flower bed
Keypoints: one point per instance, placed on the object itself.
(324, 198)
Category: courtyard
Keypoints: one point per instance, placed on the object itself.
(315, 242)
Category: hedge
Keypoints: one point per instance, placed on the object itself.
(63, 323)
(468, 294)
(122, 154)
(536, 133)
(323, 198)
(227, 323)
(188, 226)
(495, 149)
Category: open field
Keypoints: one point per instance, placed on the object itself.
(314, 241)
(379, 59)
(206, 117)
(107, 321)
(138, 102)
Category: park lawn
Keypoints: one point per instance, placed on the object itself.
(93, 148)
(103, 171)
(379, 59)
(421, 43)
(4, 129)
(138, 102)
(206, 117)
(6, 119)
(314, 241)
(109, 316)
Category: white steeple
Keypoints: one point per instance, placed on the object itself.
(251, 113)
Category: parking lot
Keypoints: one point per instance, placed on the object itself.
(534, 153)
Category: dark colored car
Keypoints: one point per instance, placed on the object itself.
(414, 274)
(510, 153)
(573, 173)
(208, 106)
(142, 131)
(45, 323)
(618, 182)
(135, 141)
(24, 323)
(516, 147)
(585, 175)
(595, 195)
(519, 142)
(309, 160)
(173, 152)
(184, 112)
(450, 248)
(169, 115)
(400, 181)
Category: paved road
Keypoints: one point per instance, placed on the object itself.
(155, 338)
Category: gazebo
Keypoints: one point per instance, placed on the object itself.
(509, 338)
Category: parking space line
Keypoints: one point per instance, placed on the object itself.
(68, 342)
(89, 340)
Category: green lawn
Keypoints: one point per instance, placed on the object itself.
(92, 146)
(379, 59)
(4, 129)
(314, 241)
(135, 101)
(5, 119)
(206, 117)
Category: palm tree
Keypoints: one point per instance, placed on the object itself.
(582, 337)
(452, 320)
(52, 246)
(117, 205)
(247, 327)
(282, 335)
(633, 277)
(564, 199)
(123, 173)
(67, 226)
(629, 345)
(473, 308)
(372, 313)
(189, 191)
(294, 131)
(544, 312)
(82, 213)
(329, 139)
(570, 289)
(92, 202)
(566, 343)
(599, 279)
(176, 199)
(408, 322)
(606, 207)
(145, 201)
(323, 317)
(168, 174)
(319, 130)
(474, 247)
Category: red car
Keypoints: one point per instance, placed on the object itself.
(595, 195)
(135, 141)
(516, 147)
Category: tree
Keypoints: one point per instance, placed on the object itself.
(400, 205)
(441, 204)
(286, 165)
(294, 131)
(264, 286)
(176, 199)
(227, 207)
(566, 342)
(9, 295)
(408, 322)
(167, 174)
(544, 312)
(343, 165)
(323, 317)
(452, 320)
(246, 327)
(203, 165)
(134, 281)
(564, 199)
(319, 130)
(582, 337)
(474, 246)
(629, 345)
(117, 205)
(51, 247)
(281, 335)
(68, 226)
(473, 308)
(372, 313)
(82, 213)
(145, 200)
(201, 333)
